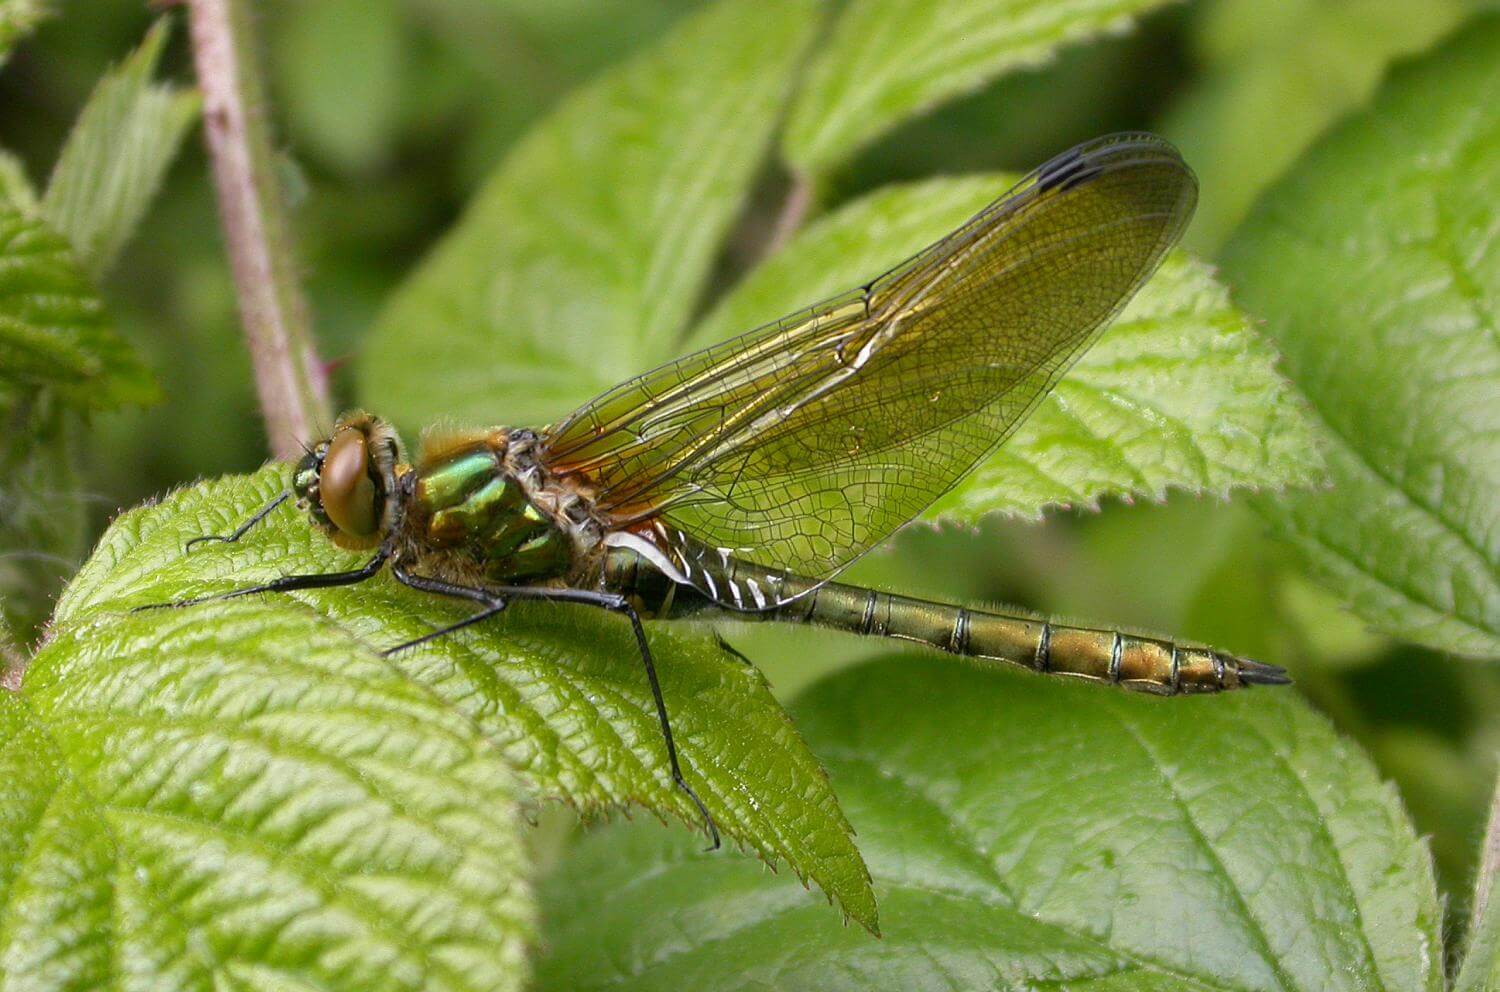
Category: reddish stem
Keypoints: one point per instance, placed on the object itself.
(289, 379)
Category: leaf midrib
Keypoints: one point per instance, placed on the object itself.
(1257, 928)
(852, 757)
(1452, 529)
(1462, 146)
(116, 849)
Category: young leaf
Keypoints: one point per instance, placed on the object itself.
(15, 186)
(253, 803)
(1275, 77)
(1480, 971)
(116, 155)
(53, 330)
(1030, 834)
(17, 19)
(581, 261)
(1376, 266)
(887, 60)
(1180, 392)
(559, 691)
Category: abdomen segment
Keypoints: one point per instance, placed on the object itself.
(1134, 661)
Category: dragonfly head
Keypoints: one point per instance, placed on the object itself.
(347, 482)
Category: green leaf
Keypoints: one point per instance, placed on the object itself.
(1030, 834)
(43, 524)
(56, 343)
(1377, 269)
(1277, 75)
(15, 186)
(1179, 392)
(1480, 971)
(53, 329)
(17, 19)
(256, 803)
(888, 60)
(582, 259)
(116, 155)
(339, 64)
(559, 691)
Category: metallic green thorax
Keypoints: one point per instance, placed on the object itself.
(466, 502)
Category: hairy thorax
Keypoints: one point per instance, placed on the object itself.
(480, 506)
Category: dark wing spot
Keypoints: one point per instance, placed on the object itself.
(1066, 171)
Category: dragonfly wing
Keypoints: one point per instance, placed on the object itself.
(806, 442)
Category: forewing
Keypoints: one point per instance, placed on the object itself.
(804, 443)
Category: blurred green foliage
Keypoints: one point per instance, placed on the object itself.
(394, 112)
(61, 357)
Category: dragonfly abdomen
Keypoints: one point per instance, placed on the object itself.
(1098, 655)
(1130, 660)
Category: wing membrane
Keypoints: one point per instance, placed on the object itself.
(803, 443)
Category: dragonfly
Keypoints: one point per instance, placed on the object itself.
(738, 481)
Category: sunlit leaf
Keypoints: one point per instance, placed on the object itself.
(888, 60)
(559, 691)
(116, 155)
(1180, 392)
(260, 802)
(1376, 266)
(582, 259)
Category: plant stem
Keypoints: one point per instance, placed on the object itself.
(793, 213)
(12, 663)
(289, 378)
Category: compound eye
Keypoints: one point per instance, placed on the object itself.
(347, 491)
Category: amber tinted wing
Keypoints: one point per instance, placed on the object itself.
(802, 444)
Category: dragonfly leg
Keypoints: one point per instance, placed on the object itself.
(495, 599)
(490, 602)
(730, 649)
(243, 528)
(289, 583)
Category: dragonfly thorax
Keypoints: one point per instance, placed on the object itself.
(486, 498)
(482, 500)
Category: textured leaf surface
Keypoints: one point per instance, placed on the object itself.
(887, 60)
(582, 259)
(53, 329)
(1178, 392)
(1376, 265)
(558, 691)
(1274, 77)
(1029, 834)
(116, 155)
(256, 803)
